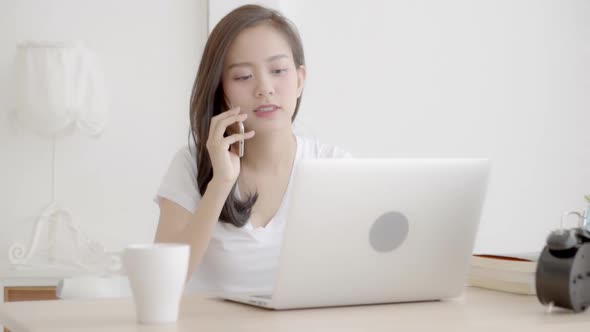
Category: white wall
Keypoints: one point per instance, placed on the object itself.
(504, 79)
(507, 80)
(149, 52)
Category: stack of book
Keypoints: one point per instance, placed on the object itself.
(513, 273)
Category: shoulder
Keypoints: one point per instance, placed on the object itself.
(185, 156)
(179, 183)
(313, 148)
(183, 162)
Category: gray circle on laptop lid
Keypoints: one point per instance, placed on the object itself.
(389, 231)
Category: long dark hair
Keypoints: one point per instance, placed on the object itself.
(207, 99)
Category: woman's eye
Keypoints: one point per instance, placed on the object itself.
(279, 71)
(243, 78)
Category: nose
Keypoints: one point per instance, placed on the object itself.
(264, 87)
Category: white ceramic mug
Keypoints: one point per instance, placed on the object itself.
(157, 275)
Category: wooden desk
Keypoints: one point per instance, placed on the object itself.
(476, 310)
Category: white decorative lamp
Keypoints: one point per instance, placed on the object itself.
(59, 90)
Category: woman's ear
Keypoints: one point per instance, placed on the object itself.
(301, 76)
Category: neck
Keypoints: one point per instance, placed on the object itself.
(270, 152)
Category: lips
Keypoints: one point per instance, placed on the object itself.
(266, 108)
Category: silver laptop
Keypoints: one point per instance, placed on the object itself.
(367, 231)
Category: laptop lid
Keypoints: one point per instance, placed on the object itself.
(363, 231)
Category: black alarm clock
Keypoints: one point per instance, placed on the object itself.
(563, 270)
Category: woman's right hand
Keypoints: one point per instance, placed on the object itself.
(225, 161)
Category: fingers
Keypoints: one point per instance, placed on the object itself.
(230, 112)
(223, 124)
(219, 117)
(224, 115)
(231, 139)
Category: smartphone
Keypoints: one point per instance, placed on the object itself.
(240, 125)
(241, 142)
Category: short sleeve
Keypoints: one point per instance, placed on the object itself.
(309, 148)
(332, 151)
(179, 184)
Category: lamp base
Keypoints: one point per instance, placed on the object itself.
(64, 247)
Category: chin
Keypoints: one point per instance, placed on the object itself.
(270, 127)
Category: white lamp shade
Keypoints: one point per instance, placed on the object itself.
(58, 87)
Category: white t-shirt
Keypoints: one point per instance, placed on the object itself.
(238, 259)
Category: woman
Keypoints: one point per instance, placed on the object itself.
(231, 210)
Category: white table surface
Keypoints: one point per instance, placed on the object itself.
(22, 276)
(475, 310)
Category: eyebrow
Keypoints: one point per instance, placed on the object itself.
(246, 64)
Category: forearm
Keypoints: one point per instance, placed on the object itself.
(199, 228)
